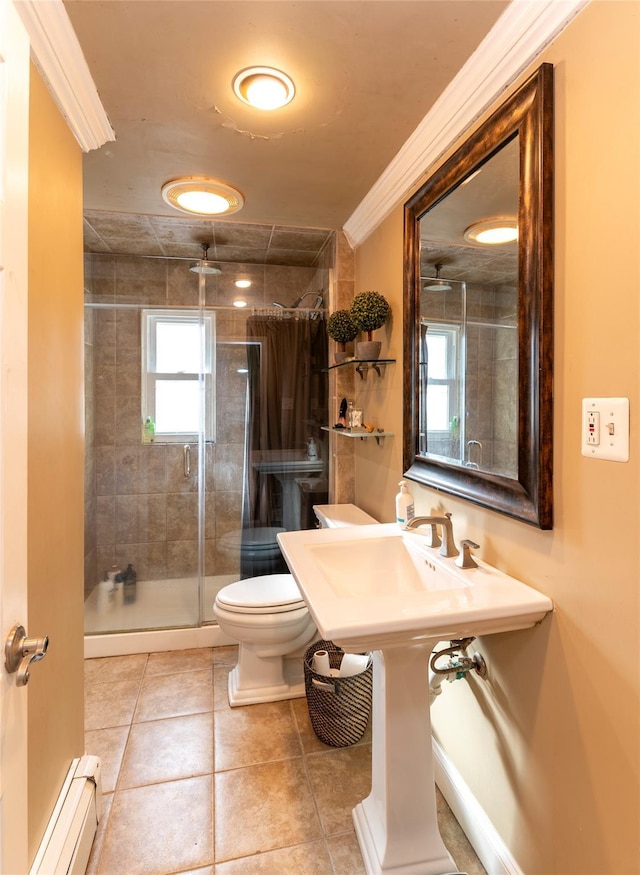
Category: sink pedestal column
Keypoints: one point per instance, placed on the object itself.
(397, 825)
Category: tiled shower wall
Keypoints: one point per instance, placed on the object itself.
(139, 506)
(491, 372)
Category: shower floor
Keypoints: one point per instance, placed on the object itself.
(158, 604)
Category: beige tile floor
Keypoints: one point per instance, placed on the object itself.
(193, 786)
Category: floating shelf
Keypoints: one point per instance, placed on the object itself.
(363, 366)
(359, 433)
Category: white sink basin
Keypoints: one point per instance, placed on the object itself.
(379, 588)
(368, 586)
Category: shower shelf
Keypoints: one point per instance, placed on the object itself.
(363, 366)
(356, 433)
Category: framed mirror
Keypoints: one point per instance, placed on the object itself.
(478, 314)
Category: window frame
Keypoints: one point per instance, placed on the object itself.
(453, 336)
(205, 377)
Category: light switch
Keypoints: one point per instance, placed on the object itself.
(605, 428)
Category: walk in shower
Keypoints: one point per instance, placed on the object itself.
(199, 417)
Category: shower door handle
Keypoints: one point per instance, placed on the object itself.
(186, 460)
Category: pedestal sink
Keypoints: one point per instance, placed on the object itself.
(381, 589)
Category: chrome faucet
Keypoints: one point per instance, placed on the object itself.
(448, 547)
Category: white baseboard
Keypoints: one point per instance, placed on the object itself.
(121, 643)
(491, 850)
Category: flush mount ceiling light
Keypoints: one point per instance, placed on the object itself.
(492, 231)
(239, 303)
(263, 87)
(243, 284)
(202, 196)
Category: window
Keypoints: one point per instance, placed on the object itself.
(440, 362)
(177, 373)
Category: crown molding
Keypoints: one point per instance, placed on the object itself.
(56, 52)
(517, 38)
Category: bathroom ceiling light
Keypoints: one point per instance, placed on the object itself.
(202, 196)
(491, 232)
(263, 87)
(243, 284)
(239, 303)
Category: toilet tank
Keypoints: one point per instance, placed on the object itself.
(332, 516)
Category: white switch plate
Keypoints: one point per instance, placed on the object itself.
(605, 428)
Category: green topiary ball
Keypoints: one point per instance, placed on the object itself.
(340, 327)
(369, 310)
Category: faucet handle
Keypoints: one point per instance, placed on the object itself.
(465, 559)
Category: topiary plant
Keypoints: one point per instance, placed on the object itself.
(368, 311)
(340, 327)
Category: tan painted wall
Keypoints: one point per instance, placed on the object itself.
(550, 745)
(55, 453)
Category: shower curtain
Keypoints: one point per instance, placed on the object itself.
(287, 401)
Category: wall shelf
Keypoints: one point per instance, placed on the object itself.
(359, 433)
(363, 366)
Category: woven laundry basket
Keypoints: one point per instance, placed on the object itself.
(339, 708)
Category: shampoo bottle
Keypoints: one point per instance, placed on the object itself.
(405, 510)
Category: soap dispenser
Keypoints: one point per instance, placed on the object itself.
(312, 449)
(405, 509)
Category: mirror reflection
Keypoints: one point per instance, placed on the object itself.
(478, 338)
(468, 312)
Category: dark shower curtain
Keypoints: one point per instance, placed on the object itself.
(287, 400)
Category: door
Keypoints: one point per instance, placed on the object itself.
(14, 106)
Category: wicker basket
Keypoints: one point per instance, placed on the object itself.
(339, 708)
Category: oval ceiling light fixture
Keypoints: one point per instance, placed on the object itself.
(243, 284)
(202, 196)
(491, 232)
(239, 303)
(264, 87)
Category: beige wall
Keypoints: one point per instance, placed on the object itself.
(550, 743)
(55, 453)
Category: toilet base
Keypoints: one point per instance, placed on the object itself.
(291, 686)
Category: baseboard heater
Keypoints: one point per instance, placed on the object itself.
(67, 841)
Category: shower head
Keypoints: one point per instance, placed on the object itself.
(437, 284)
(298, 301)
(204, 266)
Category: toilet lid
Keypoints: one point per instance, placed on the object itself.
(263, 538)
(261, 594)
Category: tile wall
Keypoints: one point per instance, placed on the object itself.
(139, 506)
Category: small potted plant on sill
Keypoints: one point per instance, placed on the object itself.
(369, 311)
(341, 329)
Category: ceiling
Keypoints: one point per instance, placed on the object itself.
(366, 73)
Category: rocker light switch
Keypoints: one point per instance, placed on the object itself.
(605, 428)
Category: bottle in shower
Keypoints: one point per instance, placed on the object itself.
(148, 431)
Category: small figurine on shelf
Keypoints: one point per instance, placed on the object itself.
(342, 415)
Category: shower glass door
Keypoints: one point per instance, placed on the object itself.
(177, 482)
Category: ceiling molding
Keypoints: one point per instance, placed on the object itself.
(514, 42)
(56, 51)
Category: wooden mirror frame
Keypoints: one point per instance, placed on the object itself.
(529, 114)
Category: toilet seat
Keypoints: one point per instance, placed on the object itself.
(270, 594)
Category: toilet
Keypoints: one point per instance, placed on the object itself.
(270, 620)
(268, 617)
